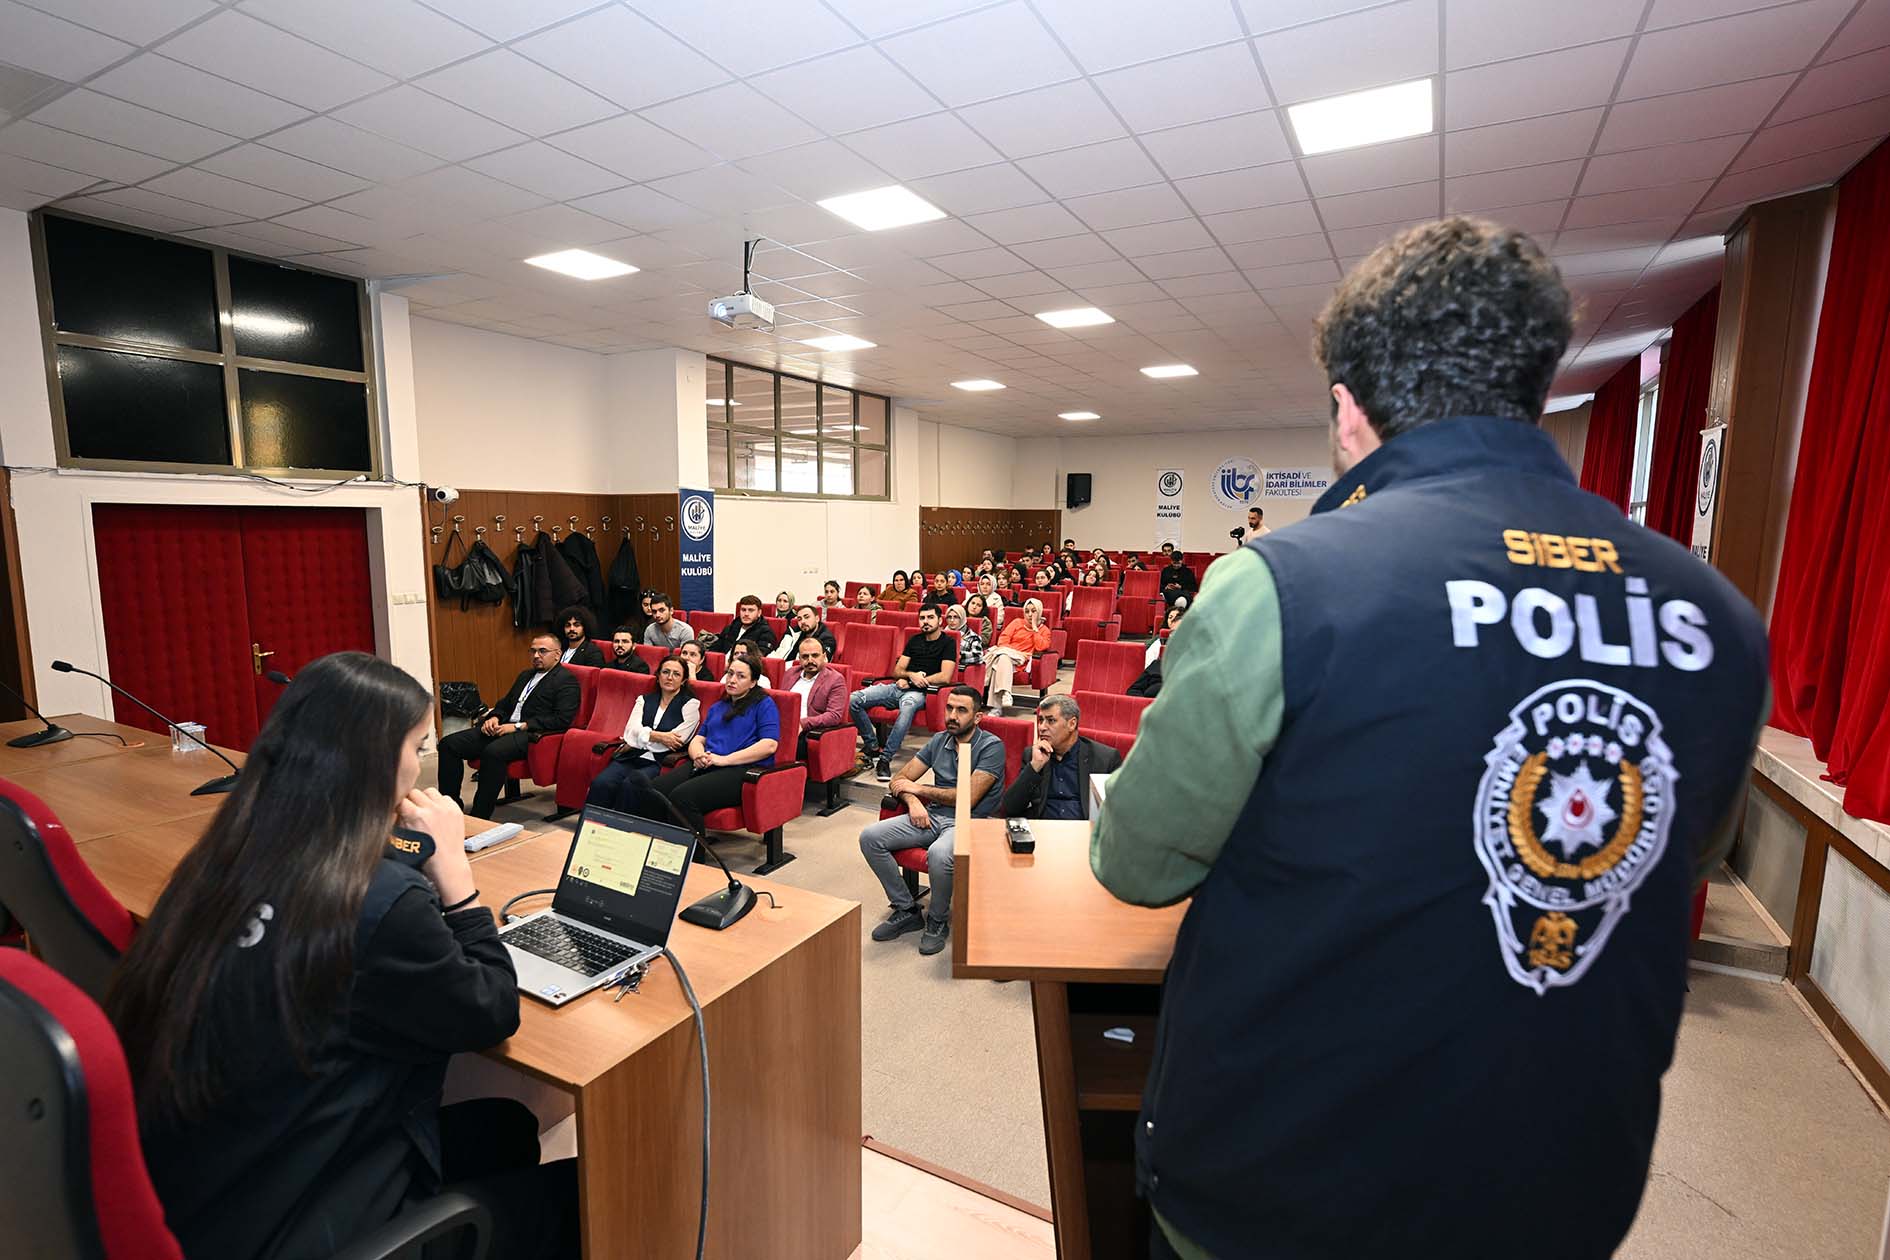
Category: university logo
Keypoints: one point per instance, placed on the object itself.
(1709, 474)
(1572, 815)
(698, 518)
(1169, 484)
(1236, 483)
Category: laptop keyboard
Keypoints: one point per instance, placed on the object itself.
(567, 944)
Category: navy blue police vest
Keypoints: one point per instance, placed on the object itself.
(1422, 1002)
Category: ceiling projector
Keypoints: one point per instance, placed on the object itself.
(744, 310)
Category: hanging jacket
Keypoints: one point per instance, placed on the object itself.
(581, 554)
(560, 587)
(623, 594)
(527, 577)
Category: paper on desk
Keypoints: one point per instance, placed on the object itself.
(491, 836)
(1099, 788)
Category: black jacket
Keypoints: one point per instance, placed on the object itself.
(588, 653)
(558, 586)
(821, 632)
(631, 664)
(623, 589)
(1180, 575)
(581, 554)
(551, 707)
(1148, 683)
(1030, 791)
(761, 634)
(292, 1164)
(527, 576)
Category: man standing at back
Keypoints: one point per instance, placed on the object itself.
(1489, 736)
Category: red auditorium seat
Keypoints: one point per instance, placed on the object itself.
(540, 763)
(618, 694)
(870, 653)
(1109, 667)
(1121, 741)
(1140, 604)
(1092, 616)
(707, 622)
(77, 1186)
(778, 625)
(831, 758)
(1111, 711)
(772, 796)
(72, 920)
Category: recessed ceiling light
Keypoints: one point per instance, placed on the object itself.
(880, 208)
(839, 341)
(1077, 415)
(582, 263)
(1163, 371)
(1077, 317)
(976, 386)
(1356, 118)
(723, 402)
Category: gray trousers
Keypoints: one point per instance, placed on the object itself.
(880, 840)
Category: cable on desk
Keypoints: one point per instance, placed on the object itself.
(506, 909)
(702, 1042)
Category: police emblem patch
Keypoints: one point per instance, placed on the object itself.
(1572, 814)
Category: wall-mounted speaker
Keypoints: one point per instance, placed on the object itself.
(1076, 491)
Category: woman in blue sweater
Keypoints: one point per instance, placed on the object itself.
(739, 731)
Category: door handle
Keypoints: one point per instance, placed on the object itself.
(257, 655)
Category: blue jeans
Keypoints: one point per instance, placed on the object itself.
(880, 840)
(909, 699)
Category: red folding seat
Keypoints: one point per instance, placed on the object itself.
(1140, 604)
(652, 656)
(1109, 667)
(772, 796)
(1111, 711)
(618, 695)
(71, 919)
(1092, 616)
(707, 622)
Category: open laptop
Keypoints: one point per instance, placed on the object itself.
(616, 900)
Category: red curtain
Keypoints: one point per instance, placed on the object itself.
(1831, 616)
(1608, 459)
(1686, 377)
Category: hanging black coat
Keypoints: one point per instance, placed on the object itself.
(527, 577)
(624, 593)
(561, 586)
(581, 553)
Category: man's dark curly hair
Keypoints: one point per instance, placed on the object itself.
(1459, 317)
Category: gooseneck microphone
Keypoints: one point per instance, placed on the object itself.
(223, 784)
(718, 910)
(33, 739)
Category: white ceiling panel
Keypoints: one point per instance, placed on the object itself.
(1295, 218)
(1381, 205)
(37, 177)
(348, 148)
(1837, 84)
(1641, 203)
(1815, 134)
(994, 261)
(1058, 117)
(1240, 190)
(1374, 166)
(142, 23)
(847, 91)
(192, 212)
(206, 188)
(1256, 255)
(546, 171)
(640, 208)
(1092, 169)
(1533, 141)
(1478, 31)
(131, 126)
(41, 143)
(521, 94)
(713, 189)
(1219, 145)
(633, 148)
(257, 55)
(1344, 54)
(1661, 164)
(509, 19)
(1765, 182)
(877, 18)
(1159, 238)
(925, 146)
(284, 172)
(1023, 224)
(420, 120)
(1000, 186)
(1551, 83)
(50, 45)
(993, 52)
(189, 93)
(400, 37)
(1192, 87)
(1272, 15)
(1106, 34)
(1128, 207)
(623, 57)
(1715, 111)
(1768, 41)
(817, 171)
(1868, 28)
(755, 37)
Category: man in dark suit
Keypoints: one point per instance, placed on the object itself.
(623, 652)
(543, 701)
(1053, 782)
(578, 631)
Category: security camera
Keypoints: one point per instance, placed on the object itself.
(444, 494)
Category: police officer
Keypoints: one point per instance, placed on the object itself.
(1442, 840)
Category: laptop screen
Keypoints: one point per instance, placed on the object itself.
(625, 875)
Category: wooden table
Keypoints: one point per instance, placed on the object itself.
(1093, 963)
(781, 1002)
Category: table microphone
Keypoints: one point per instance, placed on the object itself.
(223, 784)
(720, 909)
(51, 735)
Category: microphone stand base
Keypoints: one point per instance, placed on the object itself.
(225, 784)
(51, 735)
(720, 910)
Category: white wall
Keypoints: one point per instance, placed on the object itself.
(1121, 513)
(964, 467)
(656, 425)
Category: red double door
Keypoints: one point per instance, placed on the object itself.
(199, 602)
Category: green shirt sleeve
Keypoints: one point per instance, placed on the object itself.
(1170, 807)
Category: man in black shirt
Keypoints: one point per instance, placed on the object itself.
(927, 662)
(623, 652)
(1178, 581)
(543, 700)
(806, 621)
(1053, 782)
(578, 630)
(750, 626)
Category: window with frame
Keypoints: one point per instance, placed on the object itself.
(171, 355)
(783, 435)
(1644, 418)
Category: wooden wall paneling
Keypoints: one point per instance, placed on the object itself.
(656, 540)
(950, 537)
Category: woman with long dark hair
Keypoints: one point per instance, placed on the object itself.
(899, 594)
(289, 1008)
(741, 730)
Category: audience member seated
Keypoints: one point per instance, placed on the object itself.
(542, 700)
(1168, 550)
(931, 811)
(1169, 621)
(784, 606)
(806, 622)
(823, 692)
(1053, 782)
(900, 594)
(970, 641)
(1178, 581)
(865, 601)
(288, 1010)
(666, 629)
(830, 598)
(578, 628)
(925, 663)
(753, 655)
(623, 652)
(940, 595)
(1135, 563)
(694, 662)
(739, 731)
(661, 722)
(1148, 683)
(749, 626)
(1019, 643)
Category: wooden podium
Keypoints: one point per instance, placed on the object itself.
(1094, 963)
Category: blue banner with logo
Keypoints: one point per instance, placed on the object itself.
(695, 513)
